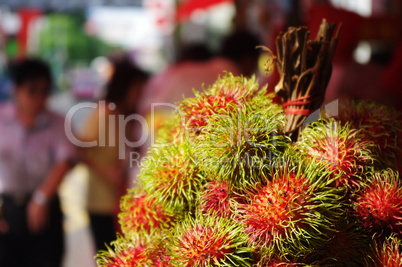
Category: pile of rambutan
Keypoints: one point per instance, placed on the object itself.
(225, 185)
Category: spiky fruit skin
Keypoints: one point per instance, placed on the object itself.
(171, 132)
(388, 253)
(275, 207)
(170, 176)
(279, 263)
(214, 172)
(350, 246)
(159, 255)
(274, 261)
(289, 208)
(238, 148)
(225, 95)
(141, 215)
(197, 114)
(125, 253)
(206, 241)
(216, 199)
(377, 123)
(339, 149)
(379, 205)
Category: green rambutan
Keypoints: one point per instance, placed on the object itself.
(388, 253)
(206, 241)
(292, 212)
(378, 123)
(170, 175)
(141, 215)
(225, 95)
(339, 149)
(379, 205)
(239, 147)
(171, 131)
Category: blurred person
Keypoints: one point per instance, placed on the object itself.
(108, 174)
(35, 155)
(390, 78)
(241, 48)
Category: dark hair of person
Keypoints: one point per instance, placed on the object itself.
(124, 75)
(197, 52)
(240, 44)
(28, 69)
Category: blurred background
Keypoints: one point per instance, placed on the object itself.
(80, 39)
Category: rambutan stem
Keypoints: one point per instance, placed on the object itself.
(305, 68)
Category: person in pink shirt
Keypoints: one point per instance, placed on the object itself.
(35, 154)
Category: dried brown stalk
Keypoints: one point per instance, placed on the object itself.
(305, 67)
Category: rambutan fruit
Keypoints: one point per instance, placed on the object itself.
(377, 123)
(388, 253)
(292, 212)
(206, 241)
(274, 260)
(159, 254)
(171, 131)
(282, 263)
(216, 198)
(141, 215)
(135, 252)
(124, 253)
(379, 205)
(225, 95)
(350, 246)
(170, 175)
(239, 147)
(339, 149)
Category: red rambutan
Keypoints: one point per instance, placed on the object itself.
(377, 123)
(209, 241)
(125, 253)
(292, 211)
(275, 207)
(216, 198)
(142, 215)
(388, 253)
(339, 149)
(159, 255)
(379, 205)
(225, 95)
